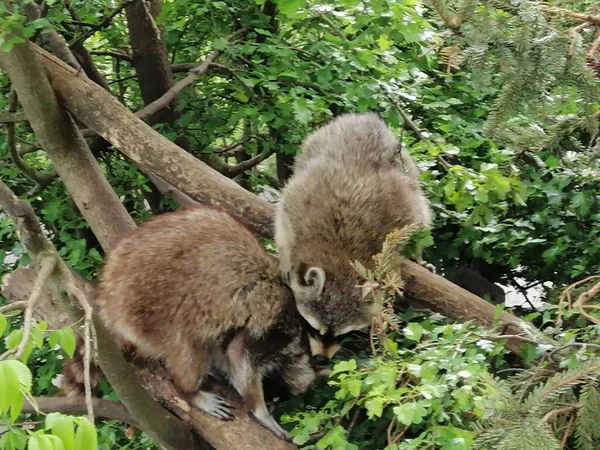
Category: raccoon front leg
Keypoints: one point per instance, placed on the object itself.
(189, 365)
(246, 378)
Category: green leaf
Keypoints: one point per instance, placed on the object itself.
(67, 341)
(344, 366)
(85, 437)
(22, 371)
(3, 324)
(374, 406)
(63, 427)
(53, 338)
(384, 43)
(290, 7)
(410, 413)
(413, 331)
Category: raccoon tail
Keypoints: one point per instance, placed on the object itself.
(72, 381)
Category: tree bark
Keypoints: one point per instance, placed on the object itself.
(105, 115)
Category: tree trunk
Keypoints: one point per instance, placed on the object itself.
(149, 56)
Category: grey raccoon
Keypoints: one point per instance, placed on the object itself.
(197, 290)
(351, 186)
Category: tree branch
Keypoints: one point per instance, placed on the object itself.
(194, 73)
(12, 117)
(76, 406)
(114, 122)
(103, 23)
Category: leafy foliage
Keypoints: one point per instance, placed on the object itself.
(497, 100)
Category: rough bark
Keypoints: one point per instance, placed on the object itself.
(240, 434)
(149, 57)
(109, 118)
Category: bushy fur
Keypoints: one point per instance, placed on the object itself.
(197, 290)
(351, 186)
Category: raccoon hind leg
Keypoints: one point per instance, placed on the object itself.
(246, 378)
(188, 366)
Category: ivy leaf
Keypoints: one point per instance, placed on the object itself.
(290, 7)
(384, 43)
(410, 413)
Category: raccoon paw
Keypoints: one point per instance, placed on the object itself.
(263, 417)
(428, 266)
(214, 405)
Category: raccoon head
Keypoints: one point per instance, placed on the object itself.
(331, 304)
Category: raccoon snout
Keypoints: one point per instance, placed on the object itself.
(320, 360)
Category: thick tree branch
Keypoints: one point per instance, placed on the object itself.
(76, 406)
(54, 40)
(114, 122)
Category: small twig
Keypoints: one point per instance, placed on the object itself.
(20, 305)
(563, 12)
(588, 295)
(568, 431)
(80, 296)
(408, 122)
(103, 24)
(512, 336)
(188, 80)
(114, 53)
(594, 48)
(47, 266)
(557, 412)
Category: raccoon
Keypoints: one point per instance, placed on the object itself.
(351, 186)
(196, 289)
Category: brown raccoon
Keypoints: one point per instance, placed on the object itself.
(197, 290)
(350, 188)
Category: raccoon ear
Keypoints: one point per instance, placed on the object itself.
(315, 277)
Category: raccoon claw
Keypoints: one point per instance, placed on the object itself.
(267, 421)
(214, 405)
